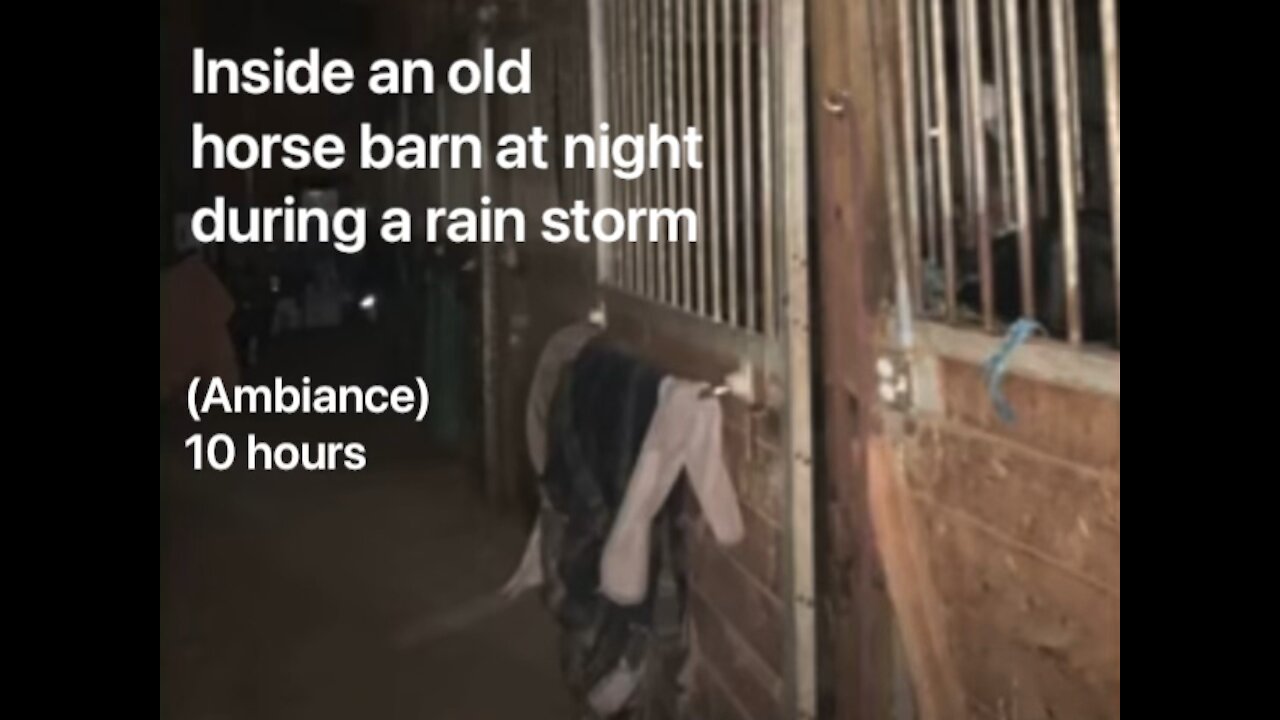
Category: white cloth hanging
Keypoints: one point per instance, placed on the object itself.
(685, 434)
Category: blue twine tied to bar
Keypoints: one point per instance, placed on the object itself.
(995, 366)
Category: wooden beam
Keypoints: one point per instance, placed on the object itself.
(843, 93)
(852, 42)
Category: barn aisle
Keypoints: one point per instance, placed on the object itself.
(345, 595)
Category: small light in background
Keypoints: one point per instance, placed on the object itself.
(369, 305)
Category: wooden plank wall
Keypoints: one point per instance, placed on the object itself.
(1019, 529)
(999, 544)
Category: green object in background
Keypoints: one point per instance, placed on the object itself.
(445, 357)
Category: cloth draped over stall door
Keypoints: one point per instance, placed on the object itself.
(610, 437)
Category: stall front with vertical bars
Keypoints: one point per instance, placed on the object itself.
(1005, 162)
(735, 71)
(706, 64)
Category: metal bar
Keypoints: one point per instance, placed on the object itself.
(968, 117)
(1067, 188)
(801, 643)
(669, 104)
(584, 124)
(716, 155)
(700, 180)
(1001, 60)
(945, 203)
(682, 81)
(730, 169)
(1110, 19)
(652, 276)
(1039, 130)
(657, 251)
(616, 87)
(648, 282)
(1022, 200)
(767, 141)
(889, 156)
(588, 89)
(621, 91)
(751, 247)
(981, 222)
(579, 93)
(910, 171)
(927, 141)
(637, 119)
(599, 66)
(1077, 130)
(630, 88)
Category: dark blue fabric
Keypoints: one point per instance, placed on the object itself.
(602, 408)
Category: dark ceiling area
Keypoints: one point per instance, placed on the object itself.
(353, 28)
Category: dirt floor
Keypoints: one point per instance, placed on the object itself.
(353, 596)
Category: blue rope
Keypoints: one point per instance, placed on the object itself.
(995, 366)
